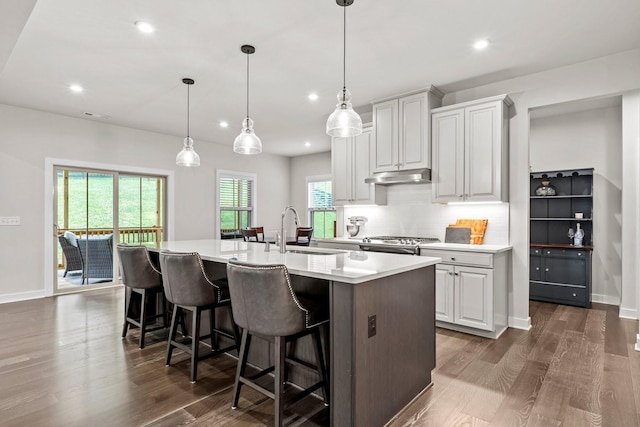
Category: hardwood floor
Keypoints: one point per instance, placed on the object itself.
(63, 363)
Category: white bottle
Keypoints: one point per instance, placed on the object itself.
(577, 238)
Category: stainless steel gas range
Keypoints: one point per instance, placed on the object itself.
(395, 244)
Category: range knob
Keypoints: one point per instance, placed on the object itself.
(366, 240)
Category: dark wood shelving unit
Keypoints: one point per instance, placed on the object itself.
(560, 272)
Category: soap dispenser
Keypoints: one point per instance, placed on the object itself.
(577, 238)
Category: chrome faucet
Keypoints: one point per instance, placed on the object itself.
(283, 239)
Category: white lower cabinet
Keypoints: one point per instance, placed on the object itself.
(471, 291)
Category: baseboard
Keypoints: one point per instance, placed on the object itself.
(520, 323)
(628, 313)
(21, 296)
(605, 299)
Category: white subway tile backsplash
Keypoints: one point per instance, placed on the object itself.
(409, 212)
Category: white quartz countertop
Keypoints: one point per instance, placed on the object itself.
(494, 249)
(343, 266)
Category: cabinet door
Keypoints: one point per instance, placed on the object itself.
(414, 147)
(444, 292)
(385, 125)
(362, 192)
(564, 270)
(473, 297)
(448, 156)
(483, 152)
(534, 266)
(341, 170)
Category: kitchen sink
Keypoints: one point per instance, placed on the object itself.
(305, 252)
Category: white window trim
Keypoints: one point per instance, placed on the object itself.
(242, 175)
(310, 179)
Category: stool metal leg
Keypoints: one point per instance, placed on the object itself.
(172, 333)
(278, 389)
(127, 306)
(322, 370)
(195, 343)
(242, 366)
(143, 316)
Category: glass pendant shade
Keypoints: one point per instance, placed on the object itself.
(188, 156)
(344, 121)
(247, 142)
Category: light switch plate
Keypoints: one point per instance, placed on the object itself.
(9, 220)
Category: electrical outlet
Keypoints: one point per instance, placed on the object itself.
(9, 220)
(372, 326)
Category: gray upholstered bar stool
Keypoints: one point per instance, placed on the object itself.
(265, 305)
(188, 287)
(142, 278)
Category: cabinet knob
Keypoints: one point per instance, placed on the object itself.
(579, 253)
(450, 273)
(453, 258)
(574, 294)
(546, 269)
(537, 268)
(548, 252)
(456, 274)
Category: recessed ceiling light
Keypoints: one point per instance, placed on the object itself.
(76, 88)
(481, 44)
(224, 124)
(145, 27)
(307, 144)
(313, 96)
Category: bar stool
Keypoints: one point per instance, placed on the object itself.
(265, 305)
(142, 278)
(303, 236)
(249, 235)
(188, 287)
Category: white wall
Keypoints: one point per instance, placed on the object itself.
(590, 139)
(301, 168)
(27, 137)
(410, 212)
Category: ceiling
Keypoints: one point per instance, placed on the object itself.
(135, 80)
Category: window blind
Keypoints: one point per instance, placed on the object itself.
(236, 193)
(320, 195)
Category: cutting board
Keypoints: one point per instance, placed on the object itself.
(457, 235)
(478, 228)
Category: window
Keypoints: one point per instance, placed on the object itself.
(236, 194)
(322, 214)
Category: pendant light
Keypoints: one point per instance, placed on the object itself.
(344, 122)
(188, 157)
(247, 142)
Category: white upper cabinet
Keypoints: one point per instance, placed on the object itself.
(470, 151)
(402, 132)
(350, 165)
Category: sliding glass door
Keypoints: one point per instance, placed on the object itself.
(94, 211)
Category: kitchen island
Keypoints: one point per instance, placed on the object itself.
(381, 338)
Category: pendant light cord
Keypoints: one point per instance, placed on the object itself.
(344, 52)
(247, 86)
(188, 110)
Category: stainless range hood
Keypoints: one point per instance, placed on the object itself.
(411, 176)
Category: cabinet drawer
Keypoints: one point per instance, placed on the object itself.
(557, 293)
(461, 258)
(564, 253)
